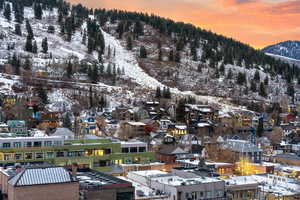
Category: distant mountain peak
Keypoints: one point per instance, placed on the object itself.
(290, 49)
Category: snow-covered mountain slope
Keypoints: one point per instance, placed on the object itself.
(286, 59)
(125, 59)
(290, 49)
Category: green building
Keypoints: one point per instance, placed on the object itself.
(100, 154)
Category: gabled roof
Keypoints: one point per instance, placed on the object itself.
(41, 175)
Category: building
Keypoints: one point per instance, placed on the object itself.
(132, 130)
(241, 187)
(17, 127)
(288, 158)
(180, 188)
(101, 154)
(39, 183)
(244, 148)
(95, 185)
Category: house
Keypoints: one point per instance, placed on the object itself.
(132, 129)
(177, 130)
(169, 150)
(288, 158)
(65, 133)
(39, 183)
(17, 127)
(244, 148)
(165, 123)
(89, 124)
(287, 117)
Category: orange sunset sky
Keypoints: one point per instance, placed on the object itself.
(256, 22)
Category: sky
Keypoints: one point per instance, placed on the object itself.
(256, 22)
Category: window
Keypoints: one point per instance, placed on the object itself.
(125, 150)
(6, 145)
(142, 149)
(17, 144)
(7, 156)
(50, 155)
(220, 193)
(201, 193)
(39, 155)
(28, 156)
(28, 144)
(107, 151)
(194, 195)
(133, 150)
(48, 143)
(18, 156)
(57, 143)
(60, 154)
(71, 154)
(208, 194)
(37, 144)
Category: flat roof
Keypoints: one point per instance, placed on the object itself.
(91, 179)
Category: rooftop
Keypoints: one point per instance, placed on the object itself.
(93, 180)
(41, 175)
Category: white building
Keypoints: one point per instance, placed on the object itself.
(179, 188)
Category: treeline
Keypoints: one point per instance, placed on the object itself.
(216, 48)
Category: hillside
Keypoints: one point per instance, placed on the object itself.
(133, 54)
(290, 49)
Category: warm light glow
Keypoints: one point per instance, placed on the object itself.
(245, 167)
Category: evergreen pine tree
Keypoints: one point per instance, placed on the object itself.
(45, 45)
(158, 93)
(171, 56)
(84, 38)
(67, 121)
(241, 78)
(177, 57)
(108, 70)
(27, 64)
(266, 81)
(260, 127)
(7, 12)
(38, 11)
(1, 4)
(160, 54)
(180, 110)
(34, 47)
(28, 44)
(18, 29)
(95, 74)
(222, 69)
(29, 30)
(229, 74)
(262, 90)
(199, 68)
(143, 52)
(129, 43)
(257, 76)
(69, 70)
(253, 86)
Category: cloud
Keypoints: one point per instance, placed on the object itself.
(288, 7)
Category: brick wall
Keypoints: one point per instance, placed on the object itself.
(63, 191)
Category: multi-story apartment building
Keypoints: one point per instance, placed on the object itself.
(99, 153)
